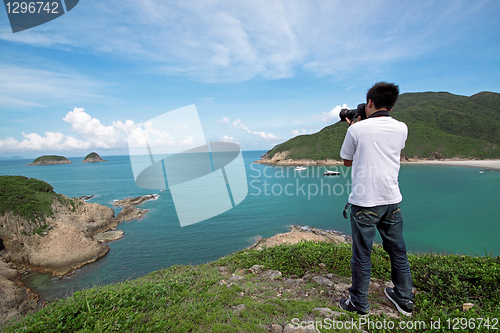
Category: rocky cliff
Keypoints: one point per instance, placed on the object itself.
(57, 243)
(48, 232)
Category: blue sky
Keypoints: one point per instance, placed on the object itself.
(259, 72)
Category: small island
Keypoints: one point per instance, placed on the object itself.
(93, 158)
(50, 160)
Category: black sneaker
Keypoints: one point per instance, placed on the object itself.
(348, 305)
(405, 308)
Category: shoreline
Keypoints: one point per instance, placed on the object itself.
(483, 164)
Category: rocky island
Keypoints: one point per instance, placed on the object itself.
(50, 160)
(93, 158)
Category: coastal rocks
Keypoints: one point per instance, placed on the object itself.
(93, 158)
(109, 236)
(291, 162)
(283, 158)
(15, 300)
(50, 160)
(130, 213)
(297, 234)
(135, 201)
(66, 242)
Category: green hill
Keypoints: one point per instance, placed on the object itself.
(440, 125)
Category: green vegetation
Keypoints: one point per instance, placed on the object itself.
(29, 198)
(50, 158)
(92, 155)
(440, 125)
(196, 299)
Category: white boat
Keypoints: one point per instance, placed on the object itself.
(331, 173)
(299, 168)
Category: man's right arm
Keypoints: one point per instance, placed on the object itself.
(348, 149)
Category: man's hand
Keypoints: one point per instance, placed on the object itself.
(347, 163)
(350, 122)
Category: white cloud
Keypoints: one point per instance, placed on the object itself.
(235, 41)
(330, 117)
(189, 141)
(239, 125)
(226, 138)
(94, 134)
(302, 131)
(35, 142)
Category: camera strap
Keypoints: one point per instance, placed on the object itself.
(347, 210)
(380, 113)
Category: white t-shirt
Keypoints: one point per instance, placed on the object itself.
(374, 145)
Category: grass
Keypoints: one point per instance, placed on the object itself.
(202, 298)
(30, 199)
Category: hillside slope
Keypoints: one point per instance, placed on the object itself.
(440, 125)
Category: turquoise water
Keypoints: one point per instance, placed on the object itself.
(446, 209)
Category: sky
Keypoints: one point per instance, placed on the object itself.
(258, 72)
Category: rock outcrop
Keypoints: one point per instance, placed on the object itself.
(130, 213)
(59, 243)
(282, 158)
(93, 158)
(299, 233)
(109, 236)
(135, 201)
(15, 299)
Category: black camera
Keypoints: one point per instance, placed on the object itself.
(353, 114)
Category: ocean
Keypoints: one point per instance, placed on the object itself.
(446, 209)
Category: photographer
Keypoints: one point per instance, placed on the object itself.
(372, 146)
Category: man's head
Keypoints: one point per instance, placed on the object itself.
(383, 95)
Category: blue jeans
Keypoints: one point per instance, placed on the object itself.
(389, 222)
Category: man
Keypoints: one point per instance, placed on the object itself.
(373, 148)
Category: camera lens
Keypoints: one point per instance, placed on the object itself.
(346, 114)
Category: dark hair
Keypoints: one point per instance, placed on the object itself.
(383, 95)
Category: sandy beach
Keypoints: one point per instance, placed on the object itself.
(483, 164)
